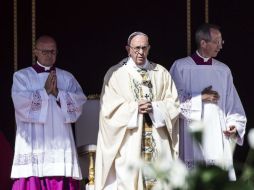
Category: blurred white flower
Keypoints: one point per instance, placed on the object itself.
(178, 174)
(251, 138)
(172, 177)
(161, 185)
(149, 171)
(196, 126)
(162, 163)
(168, 174)
(196, 130)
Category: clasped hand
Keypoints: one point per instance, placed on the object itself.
(144, 106)
(209, 95)
(51, 84)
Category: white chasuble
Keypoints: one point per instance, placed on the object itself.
(44, 140)
(120, 132)
(190, 80)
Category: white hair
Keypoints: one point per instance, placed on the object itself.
(133, 35)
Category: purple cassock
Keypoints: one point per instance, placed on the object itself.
(46, 183)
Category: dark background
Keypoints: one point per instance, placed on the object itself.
(92, 35)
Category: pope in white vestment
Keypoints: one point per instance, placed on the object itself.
(44, 145)
(120, 132)
(119, 138)
(192, 75)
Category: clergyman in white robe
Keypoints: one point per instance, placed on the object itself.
(190, 79)
(120, 130)
(44, 141)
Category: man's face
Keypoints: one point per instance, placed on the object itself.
(46, 53)
(211, 48)
(138, 49)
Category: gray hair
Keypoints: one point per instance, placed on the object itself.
(204, 32)
(133, 35)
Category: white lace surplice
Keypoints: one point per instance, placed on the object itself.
(190, 80)
(44, 140)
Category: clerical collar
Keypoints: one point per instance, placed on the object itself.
(199, 60)
(39, 68)
(132, 63)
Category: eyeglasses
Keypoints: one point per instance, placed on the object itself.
(47, 52)
(136, 49)
(217, 42)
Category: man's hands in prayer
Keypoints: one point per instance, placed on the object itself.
(144, 106)
(209, 95)
(231, 132)
(51, 84)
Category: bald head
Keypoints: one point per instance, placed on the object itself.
(45, 39)
(45, 50)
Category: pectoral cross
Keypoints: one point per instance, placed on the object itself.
(147, 96)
